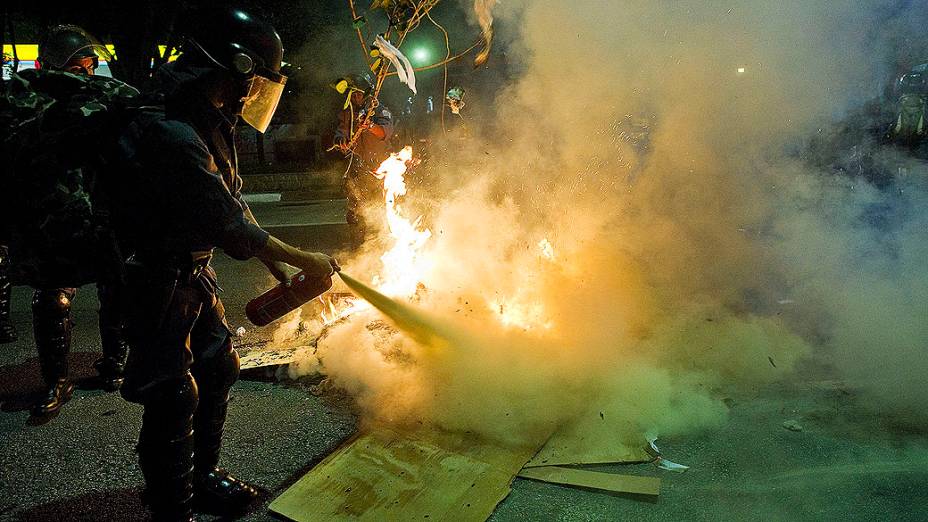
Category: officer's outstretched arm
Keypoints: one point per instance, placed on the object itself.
(315, 264)
(278, 269)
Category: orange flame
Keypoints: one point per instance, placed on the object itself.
(405, 265)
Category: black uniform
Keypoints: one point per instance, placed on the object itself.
(181, 362)
(52, 325)
(7, 330)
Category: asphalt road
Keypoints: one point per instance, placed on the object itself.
(847, 463)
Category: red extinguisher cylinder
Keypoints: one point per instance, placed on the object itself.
(286, 297)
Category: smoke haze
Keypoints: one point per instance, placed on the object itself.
(660, 148)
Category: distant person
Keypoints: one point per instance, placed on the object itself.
(372, 147)
(910, 96)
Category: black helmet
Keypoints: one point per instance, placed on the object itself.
(246, 47)
(64, 43)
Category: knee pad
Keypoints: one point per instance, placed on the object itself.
(215, 375)
(170, 398)
(166, 439)
(52, 302)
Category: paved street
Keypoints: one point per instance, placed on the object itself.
(845, 464)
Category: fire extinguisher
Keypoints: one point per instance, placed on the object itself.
(286, 297)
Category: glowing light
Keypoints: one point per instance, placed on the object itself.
(420, 55)
(546, 249)
(403, 266)
(741, 70)
(406, 265)
(520, 312)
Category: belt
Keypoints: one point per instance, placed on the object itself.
(179, 267)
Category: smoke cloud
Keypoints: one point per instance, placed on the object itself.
(696, 249)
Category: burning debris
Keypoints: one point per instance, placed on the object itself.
(609, 273)
(502, 333)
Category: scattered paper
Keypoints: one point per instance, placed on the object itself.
(484, 11)
(665, 464)
(660, 461)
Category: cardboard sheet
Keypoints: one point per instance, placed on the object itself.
(633, 484)
(587, 444)
(259, 358)
(426, 475)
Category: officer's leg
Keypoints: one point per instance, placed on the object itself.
(111, 366)
(215, 376)
(215, 368)
(51, 320)
(7, 330)
(160, 317)
(166, 447)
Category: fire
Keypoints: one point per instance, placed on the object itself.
(522, 310)
(405, 264)
(336, 307)
(547, 251)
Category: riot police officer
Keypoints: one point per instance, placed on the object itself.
(71, 49)
(180, 198)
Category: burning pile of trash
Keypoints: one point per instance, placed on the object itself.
(493, 327)
(622, 266)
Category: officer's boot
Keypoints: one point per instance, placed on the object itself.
(111, 366)
(7, 330)
(166, 449)
(216, 491)
(51, 319)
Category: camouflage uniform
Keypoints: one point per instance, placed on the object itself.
(60, 237)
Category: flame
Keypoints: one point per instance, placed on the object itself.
(524, 310)
(405, 265)
(521, 312)
(547, 251)
(336, 307)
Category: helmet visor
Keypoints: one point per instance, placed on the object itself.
(81, 44)
(260, 103)
(94, 50)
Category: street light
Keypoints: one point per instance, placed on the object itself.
(420, 56)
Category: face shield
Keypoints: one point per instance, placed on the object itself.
(95, 52)
(259, 105)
